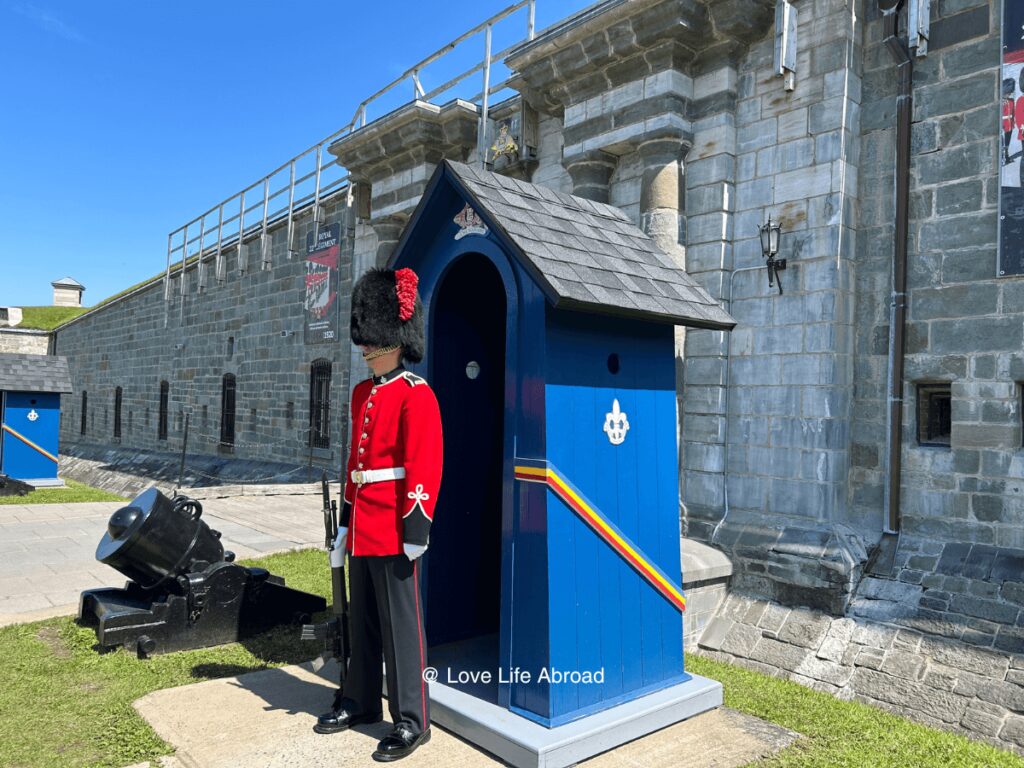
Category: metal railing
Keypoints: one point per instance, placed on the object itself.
(309, 177)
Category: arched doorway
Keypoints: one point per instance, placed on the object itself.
(467, 371)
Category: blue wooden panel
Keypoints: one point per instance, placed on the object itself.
(36, 417)
(669, 531)
(645, 429)
(627, 517)
(529, 609)
(634, 633)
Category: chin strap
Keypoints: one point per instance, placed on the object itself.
(380, 351)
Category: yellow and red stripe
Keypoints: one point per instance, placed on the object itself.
(30, 444)
(608, 532)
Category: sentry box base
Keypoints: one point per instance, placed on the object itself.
(526, 744)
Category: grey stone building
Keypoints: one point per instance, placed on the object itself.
(702, 120)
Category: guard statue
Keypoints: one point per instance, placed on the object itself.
(391, 486)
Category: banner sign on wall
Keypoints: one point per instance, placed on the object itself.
(1011, 149)
(322, 285)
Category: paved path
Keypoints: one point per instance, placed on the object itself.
(48, 551)
(265, 719)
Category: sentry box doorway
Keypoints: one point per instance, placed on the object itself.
(555, 544)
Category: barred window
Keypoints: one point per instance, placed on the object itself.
(85, 409)
(165, 396)
(227, 410)
(934, 414)
(118, 396)
(320, 404)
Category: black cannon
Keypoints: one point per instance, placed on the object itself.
(184, 591)
(12, 487)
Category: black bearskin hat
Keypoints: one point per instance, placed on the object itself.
(386, 310)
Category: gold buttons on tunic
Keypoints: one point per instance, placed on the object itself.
(360, 465)
(369, 405)
(373, 391)
(365, 435)
(362, 450)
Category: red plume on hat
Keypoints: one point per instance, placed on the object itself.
(405, 286)
(386, 310)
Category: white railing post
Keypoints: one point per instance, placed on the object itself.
(291, 209)
(531, 19)
(317, 215)
(482, 138)
(264, 238)
(167, 277)
(241, 232)
(200, 273)
(184, 256)
(218, 262)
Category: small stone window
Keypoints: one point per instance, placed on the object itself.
(227, 410)
(320, 404)
(85, 410)
(231, 347)
(165, 396)
(118, 397)
(934, 414)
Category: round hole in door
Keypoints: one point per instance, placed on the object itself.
(613, 362)
(472, 369)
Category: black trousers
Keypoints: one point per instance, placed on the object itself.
(386, 618)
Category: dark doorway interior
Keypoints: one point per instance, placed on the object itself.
(463, 568)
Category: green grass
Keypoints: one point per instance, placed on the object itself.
(64, 705)
(75, 491)
(844, 734)
(48, 318)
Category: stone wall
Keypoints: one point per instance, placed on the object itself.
(960, 562)
(24, 341)
(939, 682)
(767, 412)
(235, 327)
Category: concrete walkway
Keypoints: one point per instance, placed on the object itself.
(265, 719)
(48, 551)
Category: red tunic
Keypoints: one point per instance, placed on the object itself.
(396, 423)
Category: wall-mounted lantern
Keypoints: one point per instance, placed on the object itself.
(770, 247)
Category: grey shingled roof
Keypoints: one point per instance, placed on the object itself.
(34, 373)
(68, 282)
(590, 255)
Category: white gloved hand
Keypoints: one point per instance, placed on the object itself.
(412, 551)
(337, 554)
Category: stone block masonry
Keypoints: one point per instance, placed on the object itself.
(944, 683)
(250, 326)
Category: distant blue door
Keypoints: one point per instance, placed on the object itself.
(30, 428)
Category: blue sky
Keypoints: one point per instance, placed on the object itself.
(121, 120)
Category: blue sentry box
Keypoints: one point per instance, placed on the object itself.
(554, 559)
(30, 431)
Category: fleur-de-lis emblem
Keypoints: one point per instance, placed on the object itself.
(418, 494)
(32, 415)
(616, 424)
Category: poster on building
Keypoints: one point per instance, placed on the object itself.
(322, 251)
(1011, 142)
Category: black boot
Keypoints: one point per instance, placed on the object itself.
(400, 742)
(343, 715)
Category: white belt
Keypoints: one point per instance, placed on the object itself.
(363, 476)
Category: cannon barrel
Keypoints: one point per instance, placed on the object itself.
(155, 539)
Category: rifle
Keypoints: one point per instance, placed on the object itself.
(334, 632)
